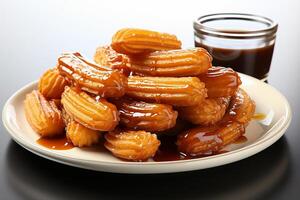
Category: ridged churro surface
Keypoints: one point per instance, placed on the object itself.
(140, 115)
(172, 63)
(133, 41)
(43, 115)
(242, 107)
(52, 84)
(206, 140)
(132, 145)
(220, 82)
(96, 114)
(92, 78)
(139, 86)
(208, 112)
(184, 91)
(106, 56)
(80, 135)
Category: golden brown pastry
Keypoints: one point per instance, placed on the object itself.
(208, 112)
(80, 135)
(96, 114)
(220, 82)
(184, 91)
(106, 56)
(92, 78)
(172, 63)
(52, 84)
(132, 145)
(206, 140)
(66, 117)
(242, 107)
(42, 115)
(133, 41)
(140, 115)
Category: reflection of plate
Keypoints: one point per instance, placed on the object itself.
(260, 134)
(256, 181)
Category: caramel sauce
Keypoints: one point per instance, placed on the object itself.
(168, 151)
(259, 116)
(241, 140)
(56, 143)
(209, 135)
(220, 81)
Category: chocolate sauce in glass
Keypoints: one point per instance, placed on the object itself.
(254, 62)
(243, 42)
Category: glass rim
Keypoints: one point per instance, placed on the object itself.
(201, 28)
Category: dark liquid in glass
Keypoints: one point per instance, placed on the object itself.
(254, 62)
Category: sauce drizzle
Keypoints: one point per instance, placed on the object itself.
(259, 116)
(57, 143)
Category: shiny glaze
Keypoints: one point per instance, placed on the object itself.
(220, 82)
(78, 104)
(106, 56)
(168, 150)
(90, 77)
(56, 143)
(140, 115)
(209, 111)
(203, 140)
(183, 91)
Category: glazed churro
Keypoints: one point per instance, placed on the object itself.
(94, 114)
(106, 56)
(190, 62)
(140, 115)
(208, 112)
(220, 82)
(184, 91)
(92, 78)
(206, 140)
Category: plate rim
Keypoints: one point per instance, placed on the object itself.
(250, 149)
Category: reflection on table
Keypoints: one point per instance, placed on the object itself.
(254, 177)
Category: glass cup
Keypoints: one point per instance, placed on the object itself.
(243, 42)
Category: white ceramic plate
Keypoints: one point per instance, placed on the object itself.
(260, 135)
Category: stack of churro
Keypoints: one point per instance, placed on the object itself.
(136, 90)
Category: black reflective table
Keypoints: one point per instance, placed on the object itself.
(34, 33)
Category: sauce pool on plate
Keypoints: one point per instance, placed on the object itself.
(259, 116)
(56, 143)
